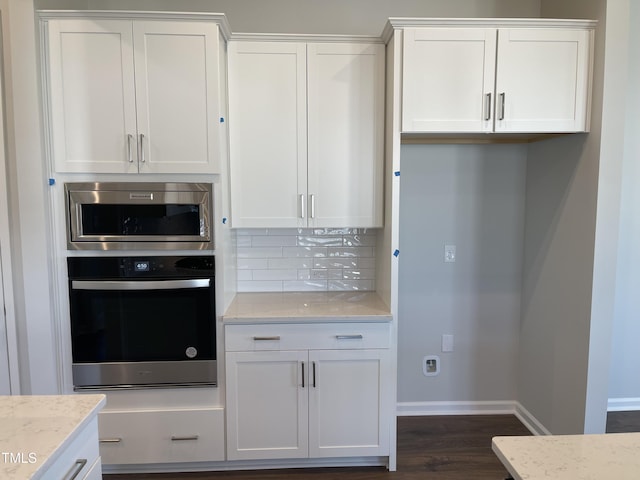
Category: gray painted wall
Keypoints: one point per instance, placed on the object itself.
(356, 17)
(573, 186)
(556, 294)
(625, 354)
(471, 196)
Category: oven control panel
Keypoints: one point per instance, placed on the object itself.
(141, 267)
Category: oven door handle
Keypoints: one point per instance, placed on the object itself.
(139, 285)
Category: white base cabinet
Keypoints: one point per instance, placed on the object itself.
(267, 405)
(346, 415)
(307, 391)
(80, 460)
(161, 436)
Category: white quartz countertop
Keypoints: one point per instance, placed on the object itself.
(571, 457)
(35, 430)
(307, 307)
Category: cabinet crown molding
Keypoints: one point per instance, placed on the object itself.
(219, 18)
(399, 23)
(304, 38)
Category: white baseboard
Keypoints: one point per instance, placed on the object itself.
(455, 408)
(502, 407)
(529, 421)
(224, 466)
(623, 404)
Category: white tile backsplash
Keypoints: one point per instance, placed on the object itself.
(304, 251)
(282, 274)
(275, 240)
(299, 260)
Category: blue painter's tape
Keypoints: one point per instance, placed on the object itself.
(52, 181)
(224, 220)
(397, 174)
(396, 253)
(221, 119)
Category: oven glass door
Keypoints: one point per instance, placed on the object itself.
(142, 321)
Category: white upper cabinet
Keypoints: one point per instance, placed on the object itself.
(306, 132)
(267, 133)
(542, 80)
(345, 134)
(133, 96)
(476, 79)
(448, 79)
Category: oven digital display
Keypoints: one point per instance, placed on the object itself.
(141, 266)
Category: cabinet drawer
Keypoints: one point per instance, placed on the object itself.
(78, 457)
(315, 336)
(95, 472)
(167, 436)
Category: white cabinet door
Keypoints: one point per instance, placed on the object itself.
(348, 409)
(268, 134)
(78, 459)
(267, 405)
(133, 96)
(176, 96)
(346, 125)
(306, 133)
(91, 82)
(542, 80)
(448, 79)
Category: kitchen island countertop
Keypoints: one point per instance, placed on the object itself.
(34, 430)
(571, 457)
(311, 307)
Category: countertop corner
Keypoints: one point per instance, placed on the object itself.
(41, 426)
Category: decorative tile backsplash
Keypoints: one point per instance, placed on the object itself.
(306, 259)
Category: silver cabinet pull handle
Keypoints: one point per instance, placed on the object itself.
(175, 438)
(141, 156)
(260, 339)
(76, 469)
(313, 206)
(349, 337)
(302, 209)
(487, 107)
(502, 95)
(129, 140)
(111, 440)
(302, 374)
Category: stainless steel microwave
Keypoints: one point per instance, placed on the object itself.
(139, 216)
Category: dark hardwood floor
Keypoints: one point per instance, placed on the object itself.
(430, 448)
(623, 422)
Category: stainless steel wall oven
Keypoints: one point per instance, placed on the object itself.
(142, 321)
(134, 216)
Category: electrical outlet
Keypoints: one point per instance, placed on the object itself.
(431, 365)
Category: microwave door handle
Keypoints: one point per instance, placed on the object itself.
(139, 285)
